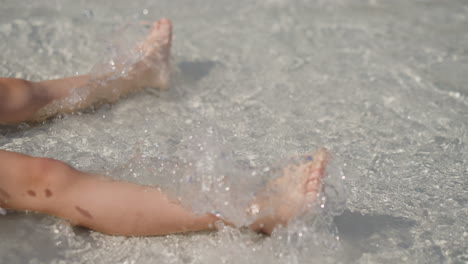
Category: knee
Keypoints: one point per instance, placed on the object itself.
(15, 93)
(16, 100)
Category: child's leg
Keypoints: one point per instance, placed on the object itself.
(22, 100)
(108, 206)
(121, 208)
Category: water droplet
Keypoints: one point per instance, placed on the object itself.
(88, 13)
(254, 209)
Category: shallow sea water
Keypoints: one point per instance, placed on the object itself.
(381, 84)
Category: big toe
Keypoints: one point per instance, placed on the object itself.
(162, 31)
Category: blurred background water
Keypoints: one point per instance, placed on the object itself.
(381, 84)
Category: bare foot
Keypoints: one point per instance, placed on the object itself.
(150, 70)
(288, 196)
(153, 67)
(156, 54)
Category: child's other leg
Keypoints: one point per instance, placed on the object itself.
(104, 205)
(151, 70)
(21, 100)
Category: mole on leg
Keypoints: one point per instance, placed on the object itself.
(31, 193)
(48, 193)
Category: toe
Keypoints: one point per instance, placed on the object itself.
(163, 28)
(312, 184)
(321, 155)
(159, 35)
(320, 159)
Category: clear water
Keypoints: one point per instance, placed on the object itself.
(382, 84)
